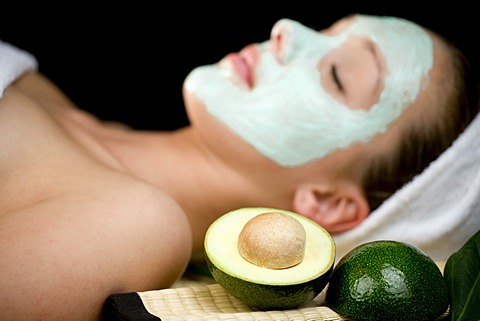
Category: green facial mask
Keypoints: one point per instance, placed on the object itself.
(288, 116)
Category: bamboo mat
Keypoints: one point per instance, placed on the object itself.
(211, 302)
(201, 298)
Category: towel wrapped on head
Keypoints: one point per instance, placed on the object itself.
(438, 211)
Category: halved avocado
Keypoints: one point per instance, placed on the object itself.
(261, 287)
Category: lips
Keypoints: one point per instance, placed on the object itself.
(244, 63)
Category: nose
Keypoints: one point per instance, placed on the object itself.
(288, 37)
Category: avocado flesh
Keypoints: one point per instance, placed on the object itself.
(264, 288)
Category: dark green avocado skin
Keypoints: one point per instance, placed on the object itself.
(270, 297)
(380, 281)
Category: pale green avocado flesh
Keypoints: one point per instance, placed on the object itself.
(259, 287)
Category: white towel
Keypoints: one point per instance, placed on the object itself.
(13, 63)
(438, 211)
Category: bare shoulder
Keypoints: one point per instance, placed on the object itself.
(70, 251)
(73, 227)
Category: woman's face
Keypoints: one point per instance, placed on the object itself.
(304, 94)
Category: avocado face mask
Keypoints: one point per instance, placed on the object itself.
(288, 116)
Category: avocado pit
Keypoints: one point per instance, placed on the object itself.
(273, 240)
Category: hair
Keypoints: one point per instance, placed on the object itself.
(420, 145)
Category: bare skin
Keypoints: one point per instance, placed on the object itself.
(88, 209)
(127, 234)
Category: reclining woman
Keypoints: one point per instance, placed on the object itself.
(328, 124)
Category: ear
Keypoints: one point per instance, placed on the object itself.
(337, 209)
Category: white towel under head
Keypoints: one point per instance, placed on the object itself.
(13, 63)
(438, 211)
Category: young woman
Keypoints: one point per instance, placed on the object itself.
(307, 121)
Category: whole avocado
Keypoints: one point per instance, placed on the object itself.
(387, 280)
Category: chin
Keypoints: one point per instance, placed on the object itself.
(193, 105)
(214, 134)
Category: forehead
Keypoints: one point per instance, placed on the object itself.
(370, 24)
(395, 36)
(434, 97)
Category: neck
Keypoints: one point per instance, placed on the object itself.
(178, 164)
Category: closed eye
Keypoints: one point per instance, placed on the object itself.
(336, 79)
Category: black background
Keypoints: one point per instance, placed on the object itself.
(126, 62)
